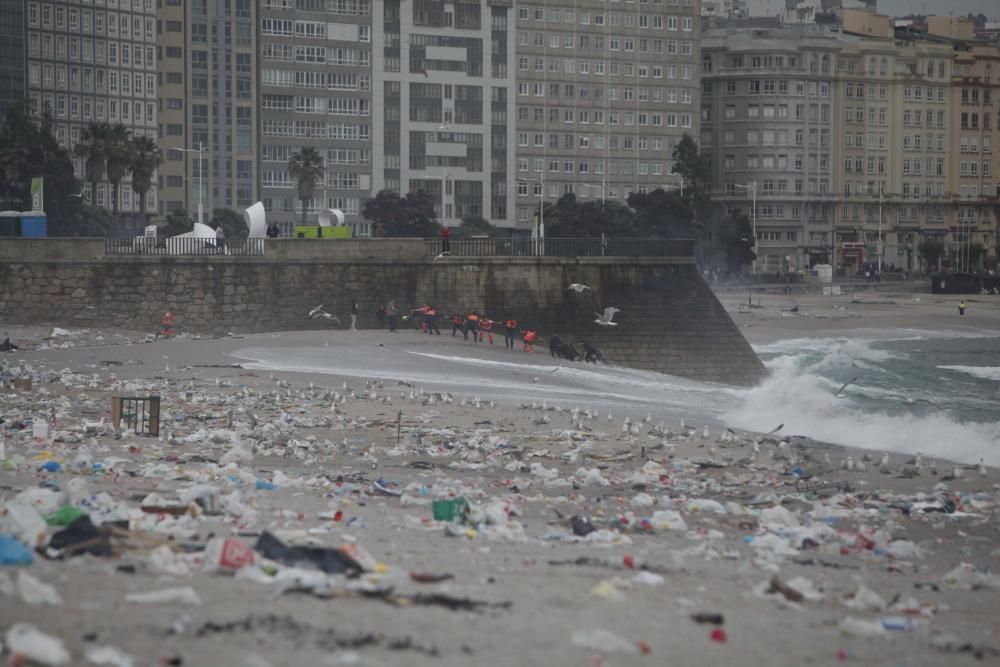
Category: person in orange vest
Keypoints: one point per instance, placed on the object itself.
(456, 324)
(485, 329)
(530, 338)
(167, 323)
(431, 319)
(472, 324)
(510, 328)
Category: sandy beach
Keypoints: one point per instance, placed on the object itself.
(586, 540)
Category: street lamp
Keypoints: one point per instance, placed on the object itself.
(752, 188)
(444, 183)
(201, 168)
(541, 201)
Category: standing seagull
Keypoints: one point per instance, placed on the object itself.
(318, 312)
(605, 319)
(578, 287)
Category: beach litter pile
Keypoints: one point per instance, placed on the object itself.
(273, 517)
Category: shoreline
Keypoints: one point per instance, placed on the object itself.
(731, 519)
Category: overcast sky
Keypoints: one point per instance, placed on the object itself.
(990, 8)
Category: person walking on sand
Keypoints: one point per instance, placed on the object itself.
(431, 317)
(961, 307)
(456, 324)
(509, 329)
(354, 315)
(472, 324)
(392, 312)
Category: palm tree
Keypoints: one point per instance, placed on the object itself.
(91, 147)
(306, 167)
(118, 149)
(146, 157)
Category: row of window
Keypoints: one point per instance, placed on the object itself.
(570, 141)
(87, 80)
(597, 68)
(910, 142)
(86, 50)
(348, 32)
(308, 129)
(85, 21)
(337, 7)
(603, 44)
(615, 19)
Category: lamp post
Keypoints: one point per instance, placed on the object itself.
(752, 189)
(541, 201)
(444, 184)
(201, 168)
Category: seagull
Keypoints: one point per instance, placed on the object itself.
(578, 287)
(318, 312)
(840, 392)
(605, 319)
(442, 255)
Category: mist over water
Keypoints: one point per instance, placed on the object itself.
(907, 391)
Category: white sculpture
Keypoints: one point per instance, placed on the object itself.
(256, 220)
(326, 213)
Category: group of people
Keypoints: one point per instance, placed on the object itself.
(480, 329)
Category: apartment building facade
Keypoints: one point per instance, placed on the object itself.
(13, 54)
(443, 105)
(315, 60)
(208, 105)
(893, 178)
(974, 178)
(95, 60)
(604, 92)
(769, 119)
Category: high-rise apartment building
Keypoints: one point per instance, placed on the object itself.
(443, 105)
(769, 119)
(95, 60)
(974, 177)
(13, 54)
(893, 175)
(605, 90)
(208, 104)
(315, 61)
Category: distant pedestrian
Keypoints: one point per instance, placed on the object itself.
(472, 325)
(445, 239)
(354, 315)
(530, 337)
(485, 329)
(272, 231)
(220, 240)
(431, 318)
(961, 307)
(509, 329)
(456, 324)
(392, 312)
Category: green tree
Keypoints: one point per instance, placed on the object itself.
(975, 255)
(146, 157)
(306, 167)
(663, 214)
(475, 225)
(232, 223)
(734, 236)
(570, 218)
(178, 222)
(91, 147)
(696, 170)
(409, 216)
(118, 152)
(28, 149)
(89, 220)
(930, 250)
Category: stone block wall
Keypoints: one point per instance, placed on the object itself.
(670, 321)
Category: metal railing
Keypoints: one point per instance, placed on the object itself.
(562, 247)
(141, 245)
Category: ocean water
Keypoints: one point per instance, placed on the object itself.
(906, 391)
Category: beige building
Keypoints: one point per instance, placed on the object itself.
(604, 92)
(893, 176)
(208, 101)
(95, 61)
(974, 180)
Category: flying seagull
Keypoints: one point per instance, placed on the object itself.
(318, 312)
(442, 255)
(840, 392)
(605, 319)
(578, 287)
